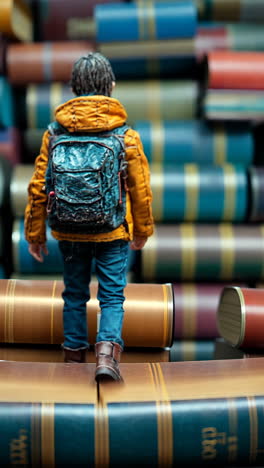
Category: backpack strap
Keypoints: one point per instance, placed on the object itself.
(119, 133)
(55, 128)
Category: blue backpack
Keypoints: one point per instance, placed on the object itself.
(86, 180)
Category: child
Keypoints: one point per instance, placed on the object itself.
(94, 110)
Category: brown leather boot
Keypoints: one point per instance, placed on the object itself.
(74, 356)
(107, 360)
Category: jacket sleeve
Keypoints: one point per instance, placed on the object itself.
(139, 185)
(35, 212)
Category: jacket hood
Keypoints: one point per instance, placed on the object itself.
(91, 113)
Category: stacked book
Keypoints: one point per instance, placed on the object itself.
(240, 319)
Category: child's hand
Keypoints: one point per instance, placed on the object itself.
(138, 243)
(36, 251)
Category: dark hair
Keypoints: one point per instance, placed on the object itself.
(92, 74)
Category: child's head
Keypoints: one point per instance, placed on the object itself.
(92, 74)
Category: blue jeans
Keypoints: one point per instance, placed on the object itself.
(110, 267)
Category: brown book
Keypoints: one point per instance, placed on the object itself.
(31, 313)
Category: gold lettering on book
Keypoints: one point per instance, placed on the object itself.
(18, 449)
(232, 447)
(210, 439)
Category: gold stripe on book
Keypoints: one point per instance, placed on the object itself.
(9, 311)
(141, 19)
(219, 141)
(164, 413)
(253, 421)
(158, 140)
(188, 350)
(233, 427)
(31, 106)
(153, 99)
(230, 183)
(168, 312)
(191, 182)
(189, 306)
(47, 435)
(146, 19)
(55, 98)
(188, 250)
(35, 435)
(101, 435)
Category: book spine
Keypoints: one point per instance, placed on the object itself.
(163, 433)
(47, 434)
(196, 432)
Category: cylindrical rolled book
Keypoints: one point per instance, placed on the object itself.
(256, 186)
(151, 59)
(199, 193)
(145, 21)
(180, 142)
(195, 309)
(245, 37)
(191, 350)
(235, 70)
(10, 144)
(240, 316)
(41, 101)
(23, 262)
(61, 20)
(226, 104)
(16, 20)
(54, 353)
(241, 37)
(150, 99)
(32, 313)
(44, 61)
(158, 100)
(20, 178)
(204, 252)
(151, 68)
(6, 104)
(232, 10)
(225, 415)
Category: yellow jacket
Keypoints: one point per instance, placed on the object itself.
(94, 113)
